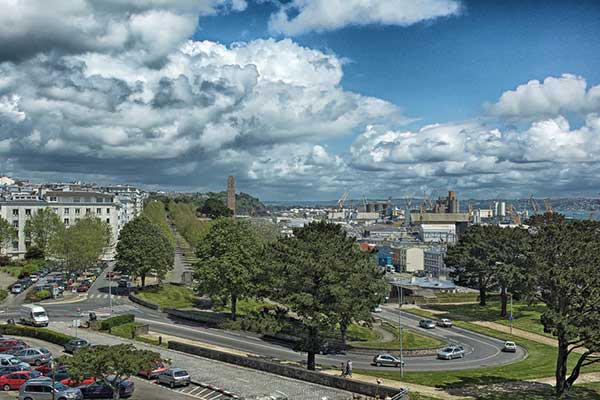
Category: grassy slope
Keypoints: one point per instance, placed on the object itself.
(410, 340)
(170, 296)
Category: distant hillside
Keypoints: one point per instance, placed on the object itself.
(245, 203)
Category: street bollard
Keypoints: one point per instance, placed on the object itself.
(160, 340)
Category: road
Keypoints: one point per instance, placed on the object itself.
(481, 351)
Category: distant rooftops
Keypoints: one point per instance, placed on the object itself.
(425, 283)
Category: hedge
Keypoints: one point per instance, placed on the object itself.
(37, 333)
(3, 294)
(116, 321)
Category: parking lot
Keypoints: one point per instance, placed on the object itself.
(144, 389)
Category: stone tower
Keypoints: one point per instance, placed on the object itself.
(231, 194)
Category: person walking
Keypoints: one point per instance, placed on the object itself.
(349, 368)
(343, 370)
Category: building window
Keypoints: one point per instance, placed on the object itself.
(55, 210)
(15, 212)
(88, 199)
(66, 211)
(77, 211)
(76, 199)
(27, 244)
(66, 221)
(108, 221)
(28, 211)
(108, 210)
(98, 211)
(88, 211)
(99, 200)
(16, 223)
(52, 198)
(15, 245)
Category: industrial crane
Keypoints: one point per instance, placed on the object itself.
(514, 215)
(534, 204)
(340, 202)
(548, 205)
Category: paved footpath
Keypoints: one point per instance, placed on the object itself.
(238, 380)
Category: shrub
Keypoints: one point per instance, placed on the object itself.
(43, 294)
(4, 260)
(3, 294)
(34, 253)
(116, 321)
(47, 335)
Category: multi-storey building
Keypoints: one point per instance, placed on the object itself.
(434, 262)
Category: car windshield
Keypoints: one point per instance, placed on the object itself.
(448, 350)
(60, 387)
(44, 350)
(180, 373)
(39, 314)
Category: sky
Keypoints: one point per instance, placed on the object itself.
(304, 99)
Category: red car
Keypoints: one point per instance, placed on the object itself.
(44, 369)
(153, 373)
(14, 380)
(73, 382)
(83, 288)
(7, 344)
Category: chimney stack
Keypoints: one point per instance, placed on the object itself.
(231, 194)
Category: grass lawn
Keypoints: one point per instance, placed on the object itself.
(526, 316)
(357, 332)
(539, 363)
(17, 267)
(244, 306)
(410, 340)
(125, 331)
(169, 296)
(3, 295)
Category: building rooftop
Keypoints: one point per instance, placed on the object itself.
(424, 283)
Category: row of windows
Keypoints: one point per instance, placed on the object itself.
(15, 211)
(85, 199)
(67, 221)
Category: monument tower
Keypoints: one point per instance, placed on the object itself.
(231, 194)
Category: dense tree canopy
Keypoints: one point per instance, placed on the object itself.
(44, 227)
(215, 208)
(7, 233)
(229, 263)
(144, 249)
(110, 364)
(81, 244)
(323, 277)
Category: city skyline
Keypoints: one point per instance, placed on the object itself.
(490, 101)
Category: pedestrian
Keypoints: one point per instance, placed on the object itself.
(343, 370)
(349, 368)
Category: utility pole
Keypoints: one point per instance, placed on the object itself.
(510, 318)
(399, 290)
(110, 293)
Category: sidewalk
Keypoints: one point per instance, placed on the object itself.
(424, 390)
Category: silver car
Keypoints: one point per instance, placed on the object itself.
(427, 324)
(174, 377)
(35, 355)
(444, 323)
(389, 360)
(509, 347)
(41, 389)
(451, 352)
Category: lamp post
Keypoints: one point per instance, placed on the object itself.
(110, 293)
(510, 318)
(399, 290)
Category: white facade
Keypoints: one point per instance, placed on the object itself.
(502, 209)
(434, 262)
(437, 233)
(408, 259)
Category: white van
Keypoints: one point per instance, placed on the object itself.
(32, 314)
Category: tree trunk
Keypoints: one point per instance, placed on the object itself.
(561, 365)
(343, 331)
(575, 373)
(143, 278)
(233, 307)
(503, 301)
(310, 361)
(482, 295)
(116, 395)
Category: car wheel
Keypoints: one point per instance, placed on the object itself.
(378, 364)
(6, 388)
(27, 398)
(397, 365)
(462, 356)
(172, 384)
(62, 398)
(38, 362)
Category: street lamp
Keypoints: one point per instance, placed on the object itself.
(110, 293)
(399, 290)
(510, 318)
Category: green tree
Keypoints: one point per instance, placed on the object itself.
(81, 244)
(322, 276)
(7, 233)
(565, 259)
(229, 265)
(156, 212)
(215, 208)
(474, 260)
(109, 364)
(144, 249)
(43, 227)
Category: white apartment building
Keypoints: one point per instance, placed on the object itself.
(70, 206)
(408, 258)
(437, 233)
(433, 259)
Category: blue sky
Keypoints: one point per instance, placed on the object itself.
(305, 99)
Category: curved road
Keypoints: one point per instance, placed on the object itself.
(481, 350)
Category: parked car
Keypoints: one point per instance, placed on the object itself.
(16, 288)
(451, 352)
(7, 344)
(9, 359)
(42, 390)
(509, 347)
(59, 374)
(444, 323)
(72, 382)
(7, 369)
(157, 368)
(15, 349)
(388, 360)
(427, 324)
(82, 288)
(75, 344)
(35, 355)
(14, 380)
(100, 390)
(174, 377)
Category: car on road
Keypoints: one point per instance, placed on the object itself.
(451, 352)
(377, 309)
(427, 324)
(16, 288)
(75, 344)
(35, 355)
(174, 377)
(100, 390)
(444, 323)
(42, 390)
(157, 368)
(387, 360)
(14, 380)
(509, 347)
(83, 287)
